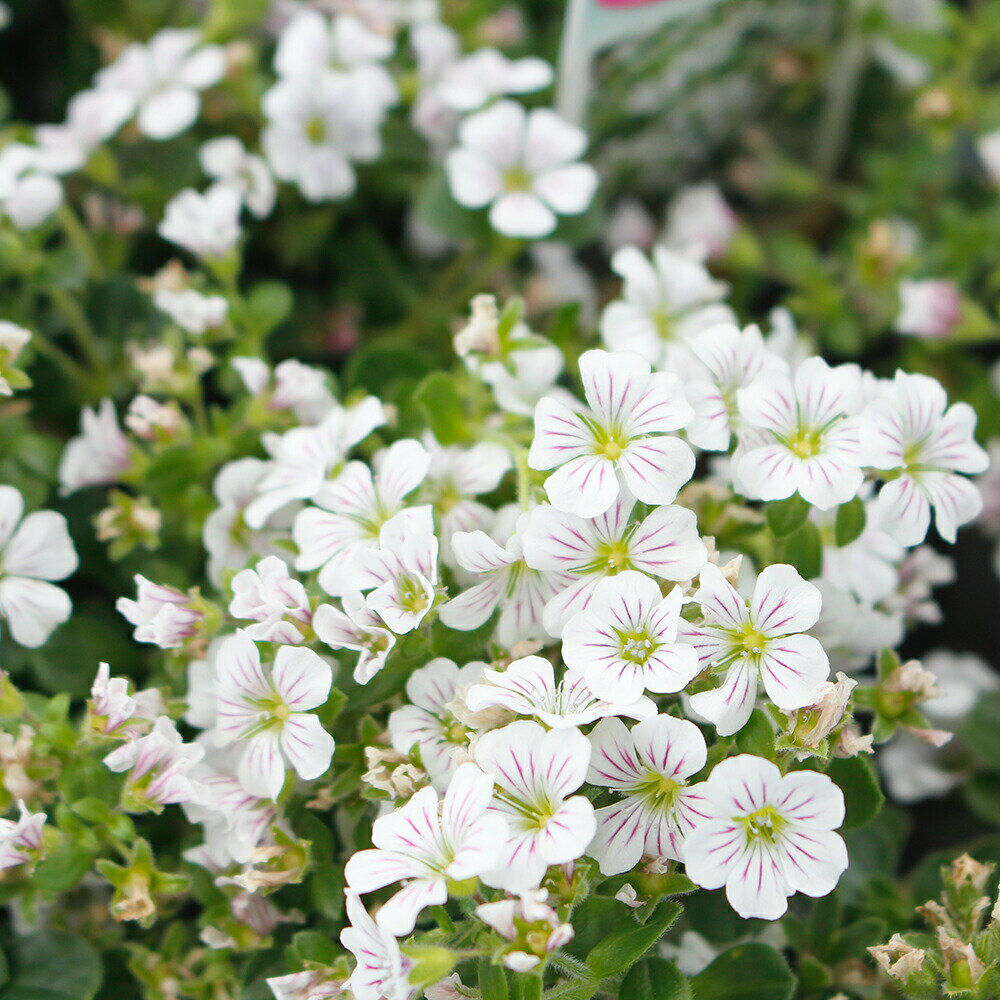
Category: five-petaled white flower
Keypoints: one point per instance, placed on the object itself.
(267, 712)
(98, 454)
(427, 849)
(351, 511)
(665, 301)
(21, 838)
(403, 569)
(304, 457)
(622, 434)
(34, 550)
(355, 627)
(649, 768)
(730, 359)
(625, 642)
(665, 544)
(382, 970)
(269, 596)
(528, 687)
(163, 616)
(158, 765)
(507, 582)
(536, 773)
(912, 431)
(206, 224)
(800, 435)
(767, 836)
(427, 722)
(524, 166)
(163, 77)
(756, 641)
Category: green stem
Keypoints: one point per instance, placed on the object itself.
(78, 235)
(64, 362)
(78, 324)
(850, 60)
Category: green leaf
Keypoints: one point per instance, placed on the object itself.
(804, 550)
(850, 522)
(623, 948)
(492, 981)
(982, 793)
(438, 398)
(63, 868)
(53, 966)
(436, 207)
(746, 972)
(786, 516)
(378, 366)
(981, 730)
(655, 979)
(863, 798)
(268, 305)
(757, 736)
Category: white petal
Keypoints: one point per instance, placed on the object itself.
(811, 800)
(783, 602)
(399, 914)
(905, 511)
(307, 745)
(656, 468)
(560, 434)
(813, 860)
(791, 668)
(569, 190)
(524, 215)
(475, 181)
(41, 548)
(168, 113)
(729, 706)
(756, 886)
(619, 841)
(301, 677)
(261, 770)
(585, 486)
(33, 609)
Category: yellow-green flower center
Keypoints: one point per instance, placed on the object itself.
(765, 824)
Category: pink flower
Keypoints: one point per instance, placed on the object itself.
(931, 308)
(161, 615)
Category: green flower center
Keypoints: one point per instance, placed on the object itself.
(316, 130)
(765, 824)
(517, 179)
(637, 647)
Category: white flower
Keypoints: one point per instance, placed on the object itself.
(267, 712)
(867, 566)
(649, 768)
(528, 921)
(162, 615)
(313, 47)
(426, 720)
(767, 836)
(931, 308)
(206, 224)
(296, 387)
(485, 74)
(755, 641)
(13, 339)
(700, 221)
(403, 569)
(99, 454)
(913, 432)
(21, 839)
(664, 544)
(381, 972)
(731, 359)
(801, 437)
(536, 773)
(34, 550)
(851, 630)
(304, 457)
(227, 538)
(28, 194)
(113, 712)
(91, 117)
(226, 159)
(191, 310)
(317, 128)
(426, 849)
(351, 511)
(312, 984)
(523, 165)
(625, 642)
(520, 592)
(158, 766)
(665, 301)
(268, 595)
(355, 627)
(163, 77)
(528, 687)
(524, 374)
(454, 476)
(620, 437)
